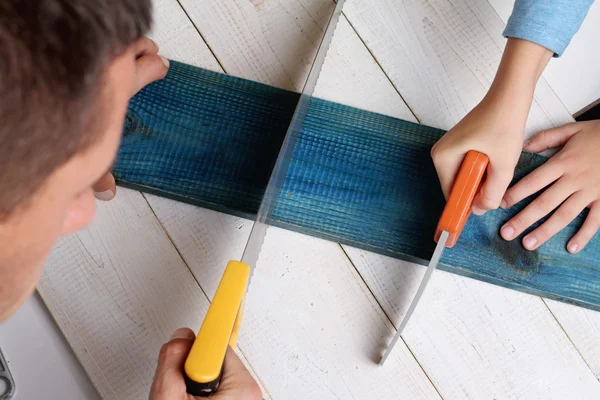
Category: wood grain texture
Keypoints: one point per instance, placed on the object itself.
(358, 178)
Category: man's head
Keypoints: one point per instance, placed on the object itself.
(67, 71)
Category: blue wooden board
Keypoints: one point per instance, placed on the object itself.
(357, 177)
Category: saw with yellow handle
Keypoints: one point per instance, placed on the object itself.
(204, 365)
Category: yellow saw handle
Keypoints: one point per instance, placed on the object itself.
(204, 365)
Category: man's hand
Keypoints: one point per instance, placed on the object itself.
(495, 127)
(573, 173)
(150, 67)
(169, 384)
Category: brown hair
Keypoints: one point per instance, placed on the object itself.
(52, 57)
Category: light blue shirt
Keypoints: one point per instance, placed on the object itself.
(550, 23)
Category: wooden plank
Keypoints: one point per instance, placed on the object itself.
(312, 329)
(357, 177)
(489, 342)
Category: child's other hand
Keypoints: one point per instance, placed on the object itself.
(573, 173)
(491, 128)
(150, 67)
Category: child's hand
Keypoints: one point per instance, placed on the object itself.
(495, 127)
(574, 175)
(492, 129)
(149, 68)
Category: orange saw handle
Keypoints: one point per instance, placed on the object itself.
(465, 187)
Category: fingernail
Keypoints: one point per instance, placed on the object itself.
(165, 61)
(478, 211)
(105, 196)
(529, 243)
(503, 204)
(573, 247)
(181, 333)
(507, 232)
(526, 143)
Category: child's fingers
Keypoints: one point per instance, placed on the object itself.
(587, 230)
(539, 208)
(532, 183)
(149, 68)
(550, 138)
(566, 213)
(492, 190)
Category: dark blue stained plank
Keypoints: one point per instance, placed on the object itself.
(357, 177)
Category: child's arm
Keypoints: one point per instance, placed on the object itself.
(537, 30)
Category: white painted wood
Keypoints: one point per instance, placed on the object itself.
(274, 42)
(442, 56)
(40, 360)
(574, 76)
(312, 329)
(583, 327)
(118, 289)
(476, 340)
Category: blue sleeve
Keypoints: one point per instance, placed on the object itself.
(550, 23)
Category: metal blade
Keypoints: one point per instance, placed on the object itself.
(435, 259)
(259, 230)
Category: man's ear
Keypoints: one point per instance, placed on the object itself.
(80, 213)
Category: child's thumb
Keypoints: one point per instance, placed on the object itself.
(493, 189)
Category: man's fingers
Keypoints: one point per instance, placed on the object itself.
(144, 46)
(492, 189)
(149, 68)
(237, 383)
(587, 230)
(169, 382)
(550, 138)
(539, 208)
(566, 213)
(105, 189)
(532, 183)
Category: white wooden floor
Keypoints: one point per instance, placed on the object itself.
(320, 314)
